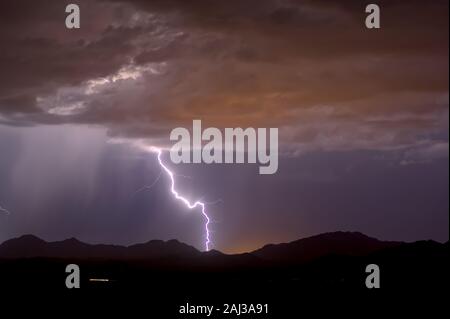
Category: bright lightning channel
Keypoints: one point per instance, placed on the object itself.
(184, 200)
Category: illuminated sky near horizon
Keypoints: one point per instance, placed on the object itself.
(362, 114)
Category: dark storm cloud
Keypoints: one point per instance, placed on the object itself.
(366, 109)
(39, 55)
(310, 68)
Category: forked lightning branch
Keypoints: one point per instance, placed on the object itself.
(258, 146)
(188, 204)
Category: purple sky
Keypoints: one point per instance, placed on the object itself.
(362, 114)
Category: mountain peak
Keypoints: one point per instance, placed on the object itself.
(213, 252)
(340, 242)
(340, 235)
(25, 239)
(71, 240)
(343, 243)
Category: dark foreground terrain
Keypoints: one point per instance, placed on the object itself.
(170, 274)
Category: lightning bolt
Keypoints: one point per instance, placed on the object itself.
(149, 186)
(196, 204)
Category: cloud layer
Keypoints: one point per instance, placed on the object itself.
(311, 68)
(366, 109)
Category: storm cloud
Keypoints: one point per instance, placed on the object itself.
(137, 69)
(141, 68)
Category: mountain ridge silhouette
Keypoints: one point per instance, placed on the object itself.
(325, 261)
(301, 250)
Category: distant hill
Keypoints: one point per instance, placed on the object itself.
(315, 263)
(336, 243)
(29, 246)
